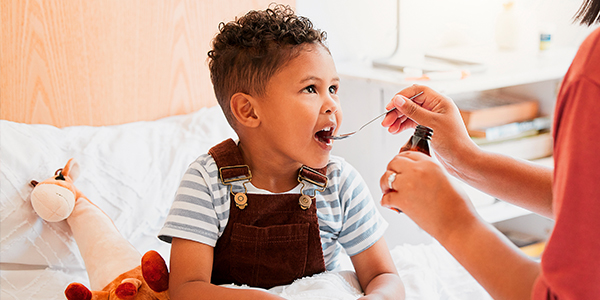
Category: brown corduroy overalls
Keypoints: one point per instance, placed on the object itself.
(269, 240)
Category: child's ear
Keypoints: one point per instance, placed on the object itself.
(242, 107)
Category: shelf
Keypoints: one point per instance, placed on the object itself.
(503, 69)
(500, 211)
(365, 90)
(490, 209)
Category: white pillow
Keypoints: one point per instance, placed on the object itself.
(130, 171)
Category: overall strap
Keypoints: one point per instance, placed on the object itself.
(232, 167)
(230, 162)
(315, 176)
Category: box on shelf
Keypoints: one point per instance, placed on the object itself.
(529, 147)
(495, 108)
(512, 130)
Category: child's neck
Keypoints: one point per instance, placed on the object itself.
(268, 173)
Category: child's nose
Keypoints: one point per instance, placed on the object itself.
(330, 106)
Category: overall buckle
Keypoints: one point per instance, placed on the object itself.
(312, 176)
(236, 173)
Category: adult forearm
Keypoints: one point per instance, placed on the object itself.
(501, 268)
(520, 182)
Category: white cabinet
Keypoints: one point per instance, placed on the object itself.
(365, 90)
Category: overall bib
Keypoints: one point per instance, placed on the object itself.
(271, 239)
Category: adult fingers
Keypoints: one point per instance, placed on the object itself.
(387, 200)
(403, 159)
(390, 118)
(411, 109)
(400, 124)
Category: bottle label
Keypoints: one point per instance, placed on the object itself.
(545, 41)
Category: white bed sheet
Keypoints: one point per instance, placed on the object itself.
(428, 272)
(131, 172)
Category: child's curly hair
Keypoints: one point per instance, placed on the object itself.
(248, 51)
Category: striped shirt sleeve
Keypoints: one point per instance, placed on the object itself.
(194, 214)
(362, 224)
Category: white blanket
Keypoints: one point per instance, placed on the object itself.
(132, 171)
(428, 272)
(329, 285)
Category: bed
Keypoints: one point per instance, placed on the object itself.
(134, 112)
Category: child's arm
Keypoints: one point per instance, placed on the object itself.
(377, 273)
(191, 268)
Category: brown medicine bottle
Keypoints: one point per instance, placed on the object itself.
(419, 141)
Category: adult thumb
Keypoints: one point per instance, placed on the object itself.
(411, 109)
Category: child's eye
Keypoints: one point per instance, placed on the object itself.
(310, 89)
(333, 89)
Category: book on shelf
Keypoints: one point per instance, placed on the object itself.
(495, 108)
(512, 130)
(529, 147)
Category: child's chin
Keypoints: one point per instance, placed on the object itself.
(320, 163)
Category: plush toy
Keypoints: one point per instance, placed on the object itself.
(115, 268)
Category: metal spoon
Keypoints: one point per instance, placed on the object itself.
(349, 134)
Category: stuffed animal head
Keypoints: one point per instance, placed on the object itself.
(148, 281)
(54, 198)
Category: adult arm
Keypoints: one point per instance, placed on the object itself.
(422, 191)
(517, 181)
(191, 268)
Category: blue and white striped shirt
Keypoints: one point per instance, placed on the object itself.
(347, 215)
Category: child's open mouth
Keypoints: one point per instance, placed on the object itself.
(322, 135)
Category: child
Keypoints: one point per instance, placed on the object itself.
(292, 207)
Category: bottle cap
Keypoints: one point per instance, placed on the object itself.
(423, 132)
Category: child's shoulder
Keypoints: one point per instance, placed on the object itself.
(339, 170)
(338, 164)
(205, 167)
(335, 162)
(204, 161)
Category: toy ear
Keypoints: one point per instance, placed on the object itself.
(155, 272)
(71, 169)
(77, 291)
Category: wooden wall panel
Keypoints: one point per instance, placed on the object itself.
(108, 62)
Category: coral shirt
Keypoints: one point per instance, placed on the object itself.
(571, 261)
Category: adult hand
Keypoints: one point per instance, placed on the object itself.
(423, 191)
(450, 142)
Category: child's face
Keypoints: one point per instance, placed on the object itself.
(300, 106)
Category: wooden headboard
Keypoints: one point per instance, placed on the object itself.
(108, 62)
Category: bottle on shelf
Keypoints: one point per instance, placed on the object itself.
(509, 27)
